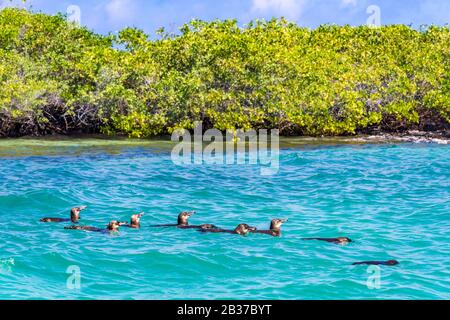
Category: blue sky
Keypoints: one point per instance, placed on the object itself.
(112, 15)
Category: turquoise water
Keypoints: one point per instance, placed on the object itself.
(393, 200)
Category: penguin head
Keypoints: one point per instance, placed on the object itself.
(243, 229)
(184, 216)
(343, 240)
(75, 213)
(392, 262)
(275, 224)
(136, 218)
(113, 225)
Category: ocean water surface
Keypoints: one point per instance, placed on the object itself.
(392, 199)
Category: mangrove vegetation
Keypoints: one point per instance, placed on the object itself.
(59, 78)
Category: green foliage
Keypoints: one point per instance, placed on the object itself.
(57, 77)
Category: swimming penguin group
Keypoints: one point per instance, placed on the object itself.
(242, 229)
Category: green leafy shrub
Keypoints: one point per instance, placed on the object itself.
(57, 77)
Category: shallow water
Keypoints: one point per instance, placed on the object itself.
(393, 200)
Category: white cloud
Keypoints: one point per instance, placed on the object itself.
(120, 10)
(349, 3)
(288, 8)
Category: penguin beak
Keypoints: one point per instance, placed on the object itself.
(82, 208)
(190, 213)
(284, 220)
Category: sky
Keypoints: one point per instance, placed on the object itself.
(105, 16)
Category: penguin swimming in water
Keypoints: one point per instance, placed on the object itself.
(113, 226)
(275, 228)
(338, 240)
(183, 223)
(242, 229)
(377, 263)
(135, 221)
(74, 216)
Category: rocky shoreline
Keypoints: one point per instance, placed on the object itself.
(406, 135)
(414, 136)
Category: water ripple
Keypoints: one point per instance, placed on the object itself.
(392, 199)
